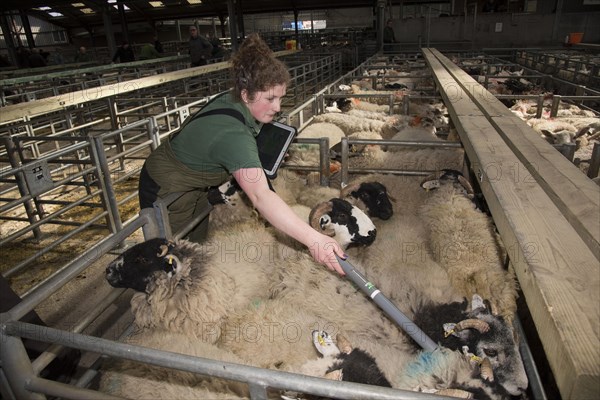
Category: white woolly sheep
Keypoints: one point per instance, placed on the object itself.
(463, 241)
(144, 381)
(350, 124)
(183, 285)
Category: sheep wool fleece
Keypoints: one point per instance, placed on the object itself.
(203, 154)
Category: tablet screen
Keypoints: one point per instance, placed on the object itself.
(273, 142)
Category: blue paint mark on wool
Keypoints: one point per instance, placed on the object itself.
(423, 363)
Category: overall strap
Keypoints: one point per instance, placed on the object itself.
(222, 111)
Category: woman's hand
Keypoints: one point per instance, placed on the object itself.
(324, 249)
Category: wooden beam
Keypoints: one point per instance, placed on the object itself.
(573, 193)
(558, 272)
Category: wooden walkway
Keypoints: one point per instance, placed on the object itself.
(548, 215)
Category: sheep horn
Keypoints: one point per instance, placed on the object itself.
(345, 192)
(430, 178)
(335, 375)
(461, 394)
(465, 183)
(164, 249)
(315, 215)
(343, 344)
(486, 370)
(478, 324)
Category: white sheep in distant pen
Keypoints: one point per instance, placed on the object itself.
(350, 124)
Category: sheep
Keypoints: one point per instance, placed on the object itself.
(308, 154)
(350, 124)
(230, 204)
(345, 362)
(144, 381)
(408, 158)
(463, 241)
(284, 321)
(186, 287)
(442, 371)
(411, 279)
(480, 334)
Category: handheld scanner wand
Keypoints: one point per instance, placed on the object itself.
(387, 306)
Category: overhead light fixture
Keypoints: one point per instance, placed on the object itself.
(156, 3)
(87, 10)
(113, 2)
(44, 8)
(55, 14)
(78, 5)
(194, 1)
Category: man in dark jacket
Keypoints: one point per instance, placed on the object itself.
(124, 53)
(200, 48)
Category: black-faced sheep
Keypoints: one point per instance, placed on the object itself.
(343, 362)
(184, 286)
(481, 335)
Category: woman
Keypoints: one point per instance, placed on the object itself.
(208, 150)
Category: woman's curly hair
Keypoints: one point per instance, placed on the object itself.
(255, 68)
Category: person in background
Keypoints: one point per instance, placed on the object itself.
(389, 37)
(158, 45)
(208, 151)
(148, 52)
(124, 53)
(200, 48)
(35, 59)
(23, 57)
(56, 57)
(82, 55)
(4, 62)
(217, 49)
(490, 6)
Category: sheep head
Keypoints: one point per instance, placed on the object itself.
(225, 193)
(491, 342)
(136, 267)
(479, 334)
(348, 363)
(371, 197)
(449, 176)
(347, 223)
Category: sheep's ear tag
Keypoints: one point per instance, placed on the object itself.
(324, 343)
(173, 265)
(477, 302)
(430, 185)
(449, 329)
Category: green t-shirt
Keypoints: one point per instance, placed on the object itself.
(217, 143)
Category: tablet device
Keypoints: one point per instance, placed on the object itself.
(273, 141)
